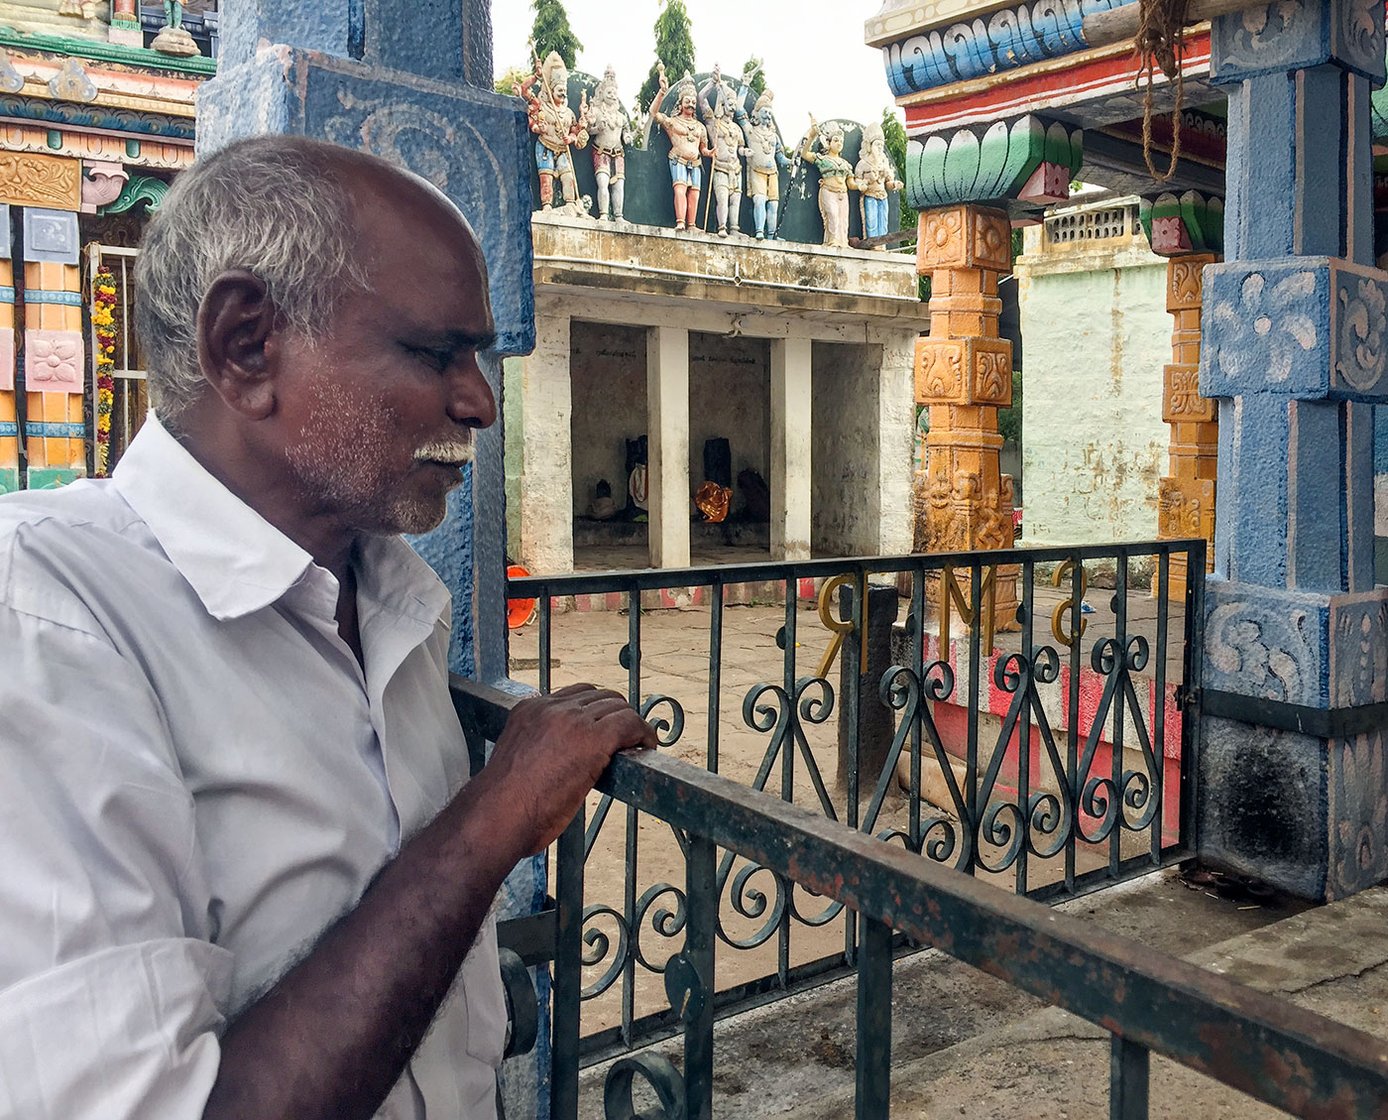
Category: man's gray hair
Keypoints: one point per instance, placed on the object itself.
(274, 205)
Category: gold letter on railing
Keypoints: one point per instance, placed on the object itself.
(951, 591)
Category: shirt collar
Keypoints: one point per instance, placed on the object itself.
(235, 560)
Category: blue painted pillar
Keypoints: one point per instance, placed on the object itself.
(1296, 349)
(413, 83)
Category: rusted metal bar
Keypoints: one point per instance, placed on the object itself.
(1270, 1049)
(1127, 1080)
(873, 1064)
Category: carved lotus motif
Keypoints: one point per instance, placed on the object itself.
(1361, 806)
(53, 361)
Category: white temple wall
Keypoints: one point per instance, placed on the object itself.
(845, 450)
(1097, 334)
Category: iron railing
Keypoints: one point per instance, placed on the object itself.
(1263, 1046)
(1066, 761)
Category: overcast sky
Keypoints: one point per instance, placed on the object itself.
(815, 58)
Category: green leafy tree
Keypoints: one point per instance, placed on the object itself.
(674, 46)
(894, 133)
(758, 82)
(551, 31)
(512, 76)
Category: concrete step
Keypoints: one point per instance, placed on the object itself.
(966, 1044)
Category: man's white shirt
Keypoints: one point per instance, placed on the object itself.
(196, 779)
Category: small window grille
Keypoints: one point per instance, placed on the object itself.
(1090, 225)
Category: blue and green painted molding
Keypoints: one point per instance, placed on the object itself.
(1004, 40)
(999, 162)
(77, 115)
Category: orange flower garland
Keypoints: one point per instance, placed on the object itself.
(104, 327)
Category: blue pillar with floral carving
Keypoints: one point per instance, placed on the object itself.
(1295, 326)
(413, 83)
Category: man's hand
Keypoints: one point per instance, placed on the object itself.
(553, 749)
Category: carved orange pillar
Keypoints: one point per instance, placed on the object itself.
(55, 372)
(964, 375)
(9, 416)
(1187, 495)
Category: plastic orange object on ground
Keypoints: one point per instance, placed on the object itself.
(519, 611)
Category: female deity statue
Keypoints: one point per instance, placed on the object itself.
(722, 111)
(765, 161)
(555, 128)
(873, 178)
(834, 173)
(609, 129)
(688, 146)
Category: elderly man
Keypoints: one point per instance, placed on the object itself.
(243, 864)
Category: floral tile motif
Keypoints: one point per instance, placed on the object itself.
(1311, 328)
(1264, 327)
(53, 361)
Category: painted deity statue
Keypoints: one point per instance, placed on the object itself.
(556, 129)
(765, 160)
(874, 178)
(609, 131)
(688, 146)
(834, 173)
(173, 38)
(723, 116)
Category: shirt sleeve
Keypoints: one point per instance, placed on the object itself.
(112, 993)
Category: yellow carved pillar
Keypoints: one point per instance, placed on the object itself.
(1187, 494)
(963, 501)
(54, 353)
(9, 416)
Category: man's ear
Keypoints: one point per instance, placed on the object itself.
(236, 351)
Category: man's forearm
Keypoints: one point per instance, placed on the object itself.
(334, 1034)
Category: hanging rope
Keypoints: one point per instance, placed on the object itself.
(1160, 42)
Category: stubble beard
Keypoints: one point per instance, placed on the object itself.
(341, 463)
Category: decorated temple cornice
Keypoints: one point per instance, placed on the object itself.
(98, 147)
(139, 58)
(46, 77)
(1103, 80)
(941, 49)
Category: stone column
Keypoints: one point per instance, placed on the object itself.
(55, 366)
(546, 449)
(1296, 346)
(791, 401)
(964, 375)
(896, 451)
(667, 403)
(9, 415)
(1187, 495)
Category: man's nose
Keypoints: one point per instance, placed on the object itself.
(471, 401)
